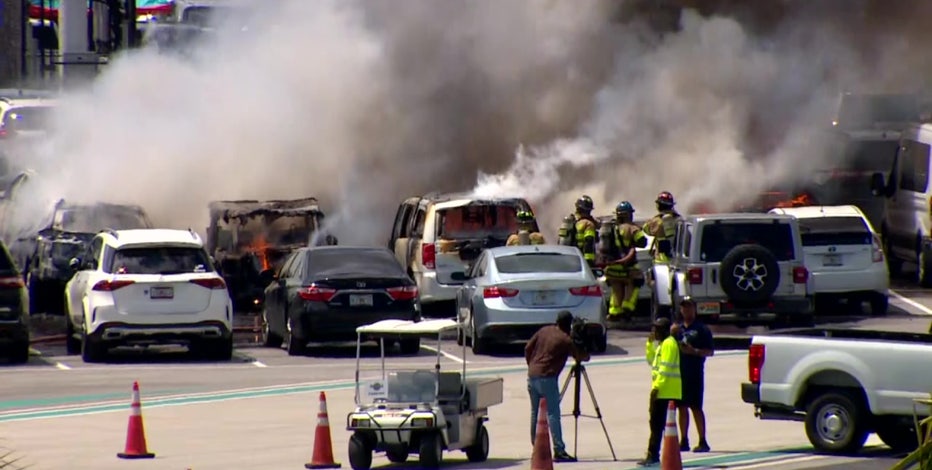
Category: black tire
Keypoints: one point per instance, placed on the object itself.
(294, 345)
(898, 436)
(478, 345)
(749, 273)
(269, 338)
(360, 454)
(410, 347)
(430, 453)
(479, 451)
(396, 456)
(36, 295)
(923, 267)
(72, 344)
(92, 350)
(880, 304)
(894, 265)
(214, 350)
(852, 431)
(19, 353)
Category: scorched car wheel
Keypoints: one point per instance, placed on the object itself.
(750, 273)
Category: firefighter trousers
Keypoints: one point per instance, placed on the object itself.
(625, 284)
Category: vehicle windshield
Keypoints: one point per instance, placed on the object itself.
(159, 260)
(399, 386)
(522, 263)
(823, 231)
(28, 118)
(95, 219)
(477, 221)
(347, 262)
(720, 238)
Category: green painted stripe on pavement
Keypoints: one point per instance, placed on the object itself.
(74, 399)
(207, 397)
(743, 458)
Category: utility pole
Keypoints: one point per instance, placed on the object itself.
(12, 31)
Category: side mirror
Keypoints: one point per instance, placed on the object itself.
(459, 276)
(75, 264)
(598, 272)
(267, 276)
(878, 185)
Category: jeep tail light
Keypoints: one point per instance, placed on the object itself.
(496, 292)
(110, 286)
(800, 275)
(694, 275)
(402, 293)
(755, 362)
(587, 291)
(429, 255)
(877, 250)
(12, 282)
(316, 294)
(210, 283)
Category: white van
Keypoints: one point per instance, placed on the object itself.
(905, 228)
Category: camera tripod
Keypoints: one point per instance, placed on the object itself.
(577, 374)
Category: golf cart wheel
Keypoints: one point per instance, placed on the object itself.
(479, 450)
(360, 455)
(431, 450)
(396, 456)
(410, 346)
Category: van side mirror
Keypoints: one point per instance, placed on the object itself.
(75, 264)
(459, 276)
(878, 185)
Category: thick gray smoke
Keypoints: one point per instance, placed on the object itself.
(363, 103)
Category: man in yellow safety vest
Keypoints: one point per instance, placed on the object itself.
(666, 386)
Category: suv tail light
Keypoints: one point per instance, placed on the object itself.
(210, 283)
(429, 255)
(755, 362)
(316, 294)
(496, 292)
(110, 286)
(877, 250)
(402, 293)
(12, 282)
(800, 275)
(587, 291)
(694, 275)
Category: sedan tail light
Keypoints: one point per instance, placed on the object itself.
(211, 283)
(587, 291)
(877, 250)
(110, 286)
(496, 292)
(402, 293)
(316, 294)
(800, 275)
(13, 282)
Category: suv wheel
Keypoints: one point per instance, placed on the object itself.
(750, 273)
(92, 350)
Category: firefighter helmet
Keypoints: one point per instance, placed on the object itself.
(584, 204)
(624, 207)
(525, 217)
(665, 198)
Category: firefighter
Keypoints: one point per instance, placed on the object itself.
(567, 232)
(623, 276)
(526, 235)
(663, 227)
(586, 227)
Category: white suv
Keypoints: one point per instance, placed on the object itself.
(144, 287)
(844, 256)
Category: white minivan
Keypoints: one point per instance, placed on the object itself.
(844, 256)
(905, 229)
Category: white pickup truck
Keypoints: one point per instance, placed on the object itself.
(843, 384)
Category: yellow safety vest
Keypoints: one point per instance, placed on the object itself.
(651, 352)
(666, 371)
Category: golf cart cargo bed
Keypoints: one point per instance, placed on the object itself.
(485, 392)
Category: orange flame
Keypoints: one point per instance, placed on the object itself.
(798, 201)
(259, 247)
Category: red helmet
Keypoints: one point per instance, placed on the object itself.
(665, 198)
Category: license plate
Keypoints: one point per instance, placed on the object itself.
(544, 298)
(831, 260)
(708, 308)
(161, 293)
(360, 300)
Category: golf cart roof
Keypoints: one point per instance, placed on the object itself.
(407, 327)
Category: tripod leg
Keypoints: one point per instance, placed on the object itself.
(598, 413)
(566, 384)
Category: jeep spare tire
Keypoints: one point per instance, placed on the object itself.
(750, 273)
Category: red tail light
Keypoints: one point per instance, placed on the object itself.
(877, 250)
(694, 275)
(755, 362)
(12, 282)
(429, 255)
(495, 292)
(587, 291)
(3, 133)
(211, 283)
(316, 293)
(110, 286)
(800, 275)
(402, 293)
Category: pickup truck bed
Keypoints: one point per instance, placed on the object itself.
(843, 384)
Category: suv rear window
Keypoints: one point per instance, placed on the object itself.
(835, 231)
(477, 221)
(719, 238)
(538, 263)
(160, 260)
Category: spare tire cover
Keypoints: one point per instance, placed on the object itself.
(750, 273)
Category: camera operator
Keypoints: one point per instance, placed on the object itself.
(546, 354)
(666, 386)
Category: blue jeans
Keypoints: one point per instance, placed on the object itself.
(548, 388)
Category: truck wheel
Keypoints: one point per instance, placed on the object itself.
(479, 451)
(898, 436)
(835, 423)
(396, 456)
(431, 451)
(410, 346)
(360, 455)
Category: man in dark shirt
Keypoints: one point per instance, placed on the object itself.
(696, 344)
(546, 354)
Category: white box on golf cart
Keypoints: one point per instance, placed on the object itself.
(485, 392)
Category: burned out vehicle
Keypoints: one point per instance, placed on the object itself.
(45, 256)
(249, 240)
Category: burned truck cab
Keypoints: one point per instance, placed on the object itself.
(249, 240)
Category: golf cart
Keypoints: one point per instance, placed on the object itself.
(419, 410)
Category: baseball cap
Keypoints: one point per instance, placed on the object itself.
(687, 301)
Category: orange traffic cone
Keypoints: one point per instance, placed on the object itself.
(323, 447)
(541, 457)
(135, 433)
(670, 453)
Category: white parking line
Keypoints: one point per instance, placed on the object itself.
(781, 461)
(61, 366)
(258, 364)
(446, 354)
(923, 310)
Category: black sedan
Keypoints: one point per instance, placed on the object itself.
(14, 311)
(322, 293)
